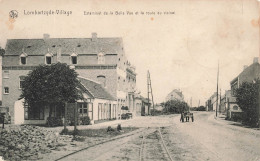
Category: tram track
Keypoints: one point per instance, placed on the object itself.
(143, 145)
(100, 143)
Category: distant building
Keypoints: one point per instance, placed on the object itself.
(211, 102)
(176, 94)
(102, 60)
(143, 106)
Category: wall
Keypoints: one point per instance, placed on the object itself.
(110, 74)
(14, 92)
(95, 107)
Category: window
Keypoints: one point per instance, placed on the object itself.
(114, 110)
(100, 111)
(235, 107)
(48, 58)
(33, 112)
(90, 111)
(21, 82)
(83, 108)
(101, 58)
(6, 90)
(104, 111)
(6, 74)
(74, 59)
(23, 58)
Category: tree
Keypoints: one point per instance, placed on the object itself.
(247, 100)
(2, 51)
(51, 85)
(175, 106)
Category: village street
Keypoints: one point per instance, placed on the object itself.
(206, 138)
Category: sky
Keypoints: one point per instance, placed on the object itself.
(181, 50)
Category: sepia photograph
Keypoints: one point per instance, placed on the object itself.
(129, 80)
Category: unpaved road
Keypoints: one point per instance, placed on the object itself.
(205, 139)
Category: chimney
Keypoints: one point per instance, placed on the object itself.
(245, 66)
(46, 36)
(94, 36)
(255, 60)
(102, 80)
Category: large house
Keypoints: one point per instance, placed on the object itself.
(249, 74)
(102, 60)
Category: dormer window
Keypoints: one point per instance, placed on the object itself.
(23, 58)
(48, 58)
(101, 58)
(74, 58)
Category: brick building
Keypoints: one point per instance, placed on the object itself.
(99, 59)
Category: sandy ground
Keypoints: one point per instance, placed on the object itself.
(207, 138)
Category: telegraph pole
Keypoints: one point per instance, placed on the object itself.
(149, 89)
(217, 92)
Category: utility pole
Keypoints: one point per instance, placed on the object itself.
(199, 104)
(217, 92)
(191, 102)
(220, 101)
(149, 90)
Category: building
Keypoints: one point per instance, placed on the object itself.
(95, 96)
(175, 94)
(230, 104)
(249, 74)
(102, 60)
(143, 106)
(211, 102)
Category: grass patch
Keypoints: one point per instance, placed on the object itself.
(102, 132)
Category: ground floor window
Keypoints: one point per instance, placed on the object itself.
(82, 109)
(35, 112)
(100, 111)
(85, 109)
(90, 111)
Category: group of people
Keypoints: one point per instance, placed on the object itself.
(186, 116)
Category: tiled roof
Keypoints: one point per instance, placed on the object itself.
(95, 89)
(67, 45)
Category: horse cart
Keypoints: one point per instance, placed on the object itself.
(187, 116)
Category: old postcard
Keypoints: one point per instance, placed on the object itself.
(130, 80)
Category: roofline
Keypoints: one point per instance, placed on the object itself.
(89, 79)
(66, 38)
(87, 90)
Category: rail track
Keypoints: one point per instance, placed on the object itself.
(100, 143)
(143, 146)
(145, 132)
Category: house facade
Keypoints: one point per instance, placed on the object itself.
(211, 102)
(102, 60)
(143, 106)
(175, 94)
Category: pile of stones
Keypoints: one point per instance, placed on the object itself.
(26, 142)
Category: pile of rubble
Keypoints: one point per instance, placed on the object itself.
(26, 142)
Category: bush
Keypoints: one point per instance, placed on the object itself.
(237, 116)
(85, 120)
(54, 121)
(175, 106)
(247, 97)
(155, 112)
